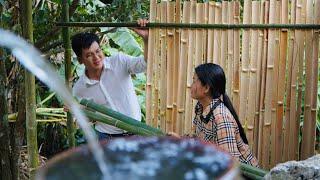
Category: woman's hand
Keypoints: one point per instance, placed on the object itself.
(143, 32)
(173, 134)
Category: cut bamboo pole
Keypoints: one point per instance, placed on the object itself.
(230, 56)
(183, 63)
(163, 67)
(217, 34)
(294, 122)
(210, 32)
(151, 48)
(170, 68)
(156, 68)
(263, 148)
(224, 36)
(199, 35)
(236, 62)
(288, 130)
(281, 86)
(245, 55)
(309, 124)
(189, 109)
(253, 74)
(257, 123)
(275, 130)
(177, 18)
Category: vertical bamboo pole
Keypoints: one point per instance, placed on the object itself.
(183, 63)
(315, 75)
(253, 74)
(149, 85)
(199, 35)
(236, 61)
(263, 146)
(205, 32)
(156, 68)
(257, 123)
(274, 128)
(230, 55)
(217, 34)
(163, 67)
(294, 122)
(307, 144)
(269, 84)
(170, 67)
(224, 37)
(30, 94)
(288, 130)
(244, 76)
(189, 109)
(281, 86)
(68, 75)
(177, 18)
(210, 33)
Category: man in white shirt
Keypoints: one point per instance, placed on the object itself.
(107, 80)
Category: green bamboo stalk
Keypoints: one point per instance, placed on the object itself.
(46, 99)
(30, 97)
(252, 170)
(188, 25)
(67, 55)
(118, 116)
(119, 124)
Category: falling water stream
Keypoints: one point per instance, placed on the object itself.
(31, 59)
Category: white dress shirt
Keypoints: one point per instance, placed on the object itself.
(115, 89)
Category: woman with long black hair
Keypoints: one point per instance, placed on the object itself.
(216, 120)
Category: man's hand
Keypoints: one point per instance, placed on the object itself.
(143, 32)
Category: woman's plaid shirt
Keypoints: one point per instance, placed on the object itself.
(222, 129)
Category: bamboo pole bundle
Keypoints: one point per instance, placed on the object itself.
(189, 109)
(163, 67)
(236, 61)
(281, 86)
(274, 128)
(224, 36)
(291, 56)
(170, 68)
(309, 124)
(253, 74)
(244, 75)
(183, 63)
(151, 51)
(257, 123)
(199, 35)
(156, 68)
(217, 34)
(294, 124)
(210, 32)
(176, 65)
(230, 55)
(264, 128)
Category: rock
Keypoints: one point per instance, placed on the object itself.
(292, 170)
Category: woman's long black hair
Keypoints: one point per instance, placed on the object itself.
(213, 75)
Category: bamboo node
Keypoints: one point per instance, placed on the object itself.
(180, 110)
(307, 105)
(313, 109)
(250, 127)
(280, 103)
(284, 30)
(236, 91)
(169, 106)
(184, 41)
(244, 70)
(270, 66)
(253, 70)
(170, 34)
(267, 124)
(257, 113)
(273, 109)
(293, 86)
(162, 35)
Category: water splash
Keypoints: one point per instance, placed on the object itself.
(31, 59)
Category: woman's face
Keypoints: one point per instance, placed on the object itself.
(198, 91)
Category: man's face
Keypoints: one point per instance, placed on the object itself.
(92, 57)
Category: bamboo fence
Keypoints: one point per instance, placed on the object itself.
(265, 70)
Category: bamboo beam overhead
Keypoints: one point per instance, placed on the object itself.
(190, 25)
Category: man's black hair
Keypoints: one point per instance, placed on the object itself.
(83, 41)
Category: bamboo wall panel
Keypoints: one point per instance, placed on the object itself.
(264, 69)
